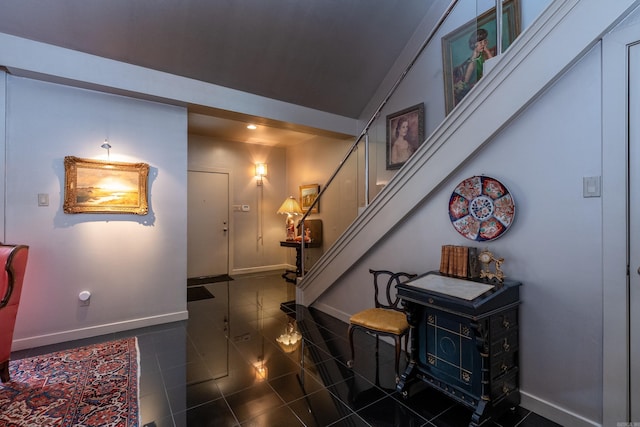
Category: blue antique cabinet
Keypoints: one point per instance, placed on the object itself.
(464, 341)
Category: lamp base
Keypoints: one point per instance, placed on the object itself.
(290, 228)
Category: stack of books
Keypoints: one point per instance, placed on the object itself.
(460, 261)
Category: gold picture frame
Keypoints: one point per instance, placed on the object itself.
(96, 186)
(308, 194)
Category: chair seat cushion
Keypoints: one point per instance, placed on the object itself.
(382, 320)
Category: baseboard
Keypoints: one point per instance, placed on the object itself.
(262, 269)
(528, 401)
(331, 311)
(93, 331)
(554, 412)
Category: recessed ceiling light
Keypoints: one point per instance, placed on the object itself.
(252, 127)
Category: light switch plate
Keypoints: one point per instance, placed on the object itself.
(43, 199)
(591, 186)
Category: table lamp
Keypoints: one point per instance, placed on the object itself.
(290, 207)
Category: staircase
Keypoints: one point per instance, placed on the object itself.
(542, 53)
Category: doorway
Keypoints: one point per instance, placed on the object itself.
(621, 222)
(634, 229)
(207, 224)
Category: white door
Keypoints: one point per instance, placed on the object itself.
(207, 224)
(634, 229)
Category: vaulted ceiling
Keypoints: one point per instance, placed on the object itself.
(329, 55)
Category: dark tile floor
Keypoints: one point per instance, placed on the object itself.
(224, 367)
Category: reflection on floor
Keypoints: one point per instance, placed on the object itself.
(226, 366)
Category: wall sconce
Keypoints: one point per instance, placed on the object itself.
(290, 207)
(107, 147)
(261, 172)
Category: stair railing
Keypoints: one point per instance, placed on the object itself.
(364, 134)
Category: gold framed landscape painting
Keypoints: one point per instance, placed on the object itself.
(308, 194)
(96, 186)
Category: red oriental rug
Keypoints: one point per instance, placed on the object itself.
(96, 385)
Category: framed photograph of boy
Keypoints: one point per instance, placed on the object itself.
(405, 133)
(465, 50)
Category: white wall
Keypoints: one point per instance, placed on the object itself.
(553, 247)
(254, 239)
(313, 163)
(135, 266)
(424, 83)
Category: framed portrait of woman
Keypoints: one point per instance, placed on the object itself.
(405, 133)
(465, 49)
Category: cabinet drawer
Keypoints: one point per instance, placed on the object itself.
(504, 322)
(504, 385)
(505, 344)
(504, 363)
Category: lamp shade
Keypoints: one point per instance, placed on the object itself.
(290, 206)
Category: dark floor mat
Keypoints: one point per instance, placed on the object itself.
(203, 280)
(197, 293)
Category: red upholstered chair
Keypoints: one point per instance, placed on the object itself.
(14, 260)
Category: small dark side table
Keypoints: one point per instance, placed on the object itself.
(315, 228)
(298, 246)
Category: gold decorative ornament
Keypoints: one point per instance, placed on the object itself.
(486, 258)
